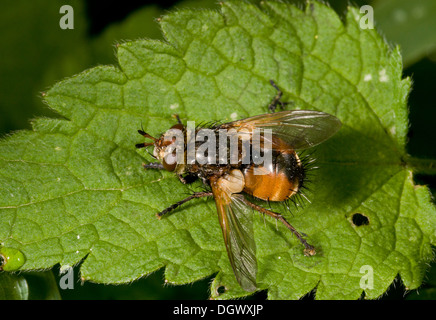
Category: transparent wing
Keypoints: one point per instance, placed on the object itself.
(237, 226)
(300, 129)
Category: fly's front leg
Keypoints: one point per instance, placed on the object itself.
(153, 165)
(175, 205)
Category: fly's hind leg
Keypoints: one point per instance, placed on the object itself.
(276, 100)
(309, 250)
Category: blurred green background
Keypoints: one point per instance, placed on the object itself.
(35, 53)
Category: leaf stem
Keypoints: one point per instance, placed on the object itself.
(421, 166)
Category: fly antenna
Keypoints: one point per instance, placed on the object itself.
(146, 135)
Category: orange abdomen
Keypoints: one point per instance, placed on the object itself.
(272, 186)
(278, 182)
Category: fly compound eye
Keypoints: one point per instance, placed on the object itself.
(170, 160)
(178, 126)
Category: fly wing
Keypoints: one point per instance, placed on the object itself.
(300, 129)
(236, 223)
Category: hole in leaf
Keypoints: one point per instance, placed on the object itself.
(360, 219)
(220, 290)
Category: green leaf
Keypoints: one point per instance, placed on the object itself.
(74, 188)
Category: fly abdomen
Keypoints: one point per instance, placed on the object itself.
(277, 182)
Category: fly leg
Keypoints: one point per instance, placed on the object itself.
(309, 250)
(159, 166)
(153, 165)
(175, 205)
(182, 179)
(176, 116)
(276, 100)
